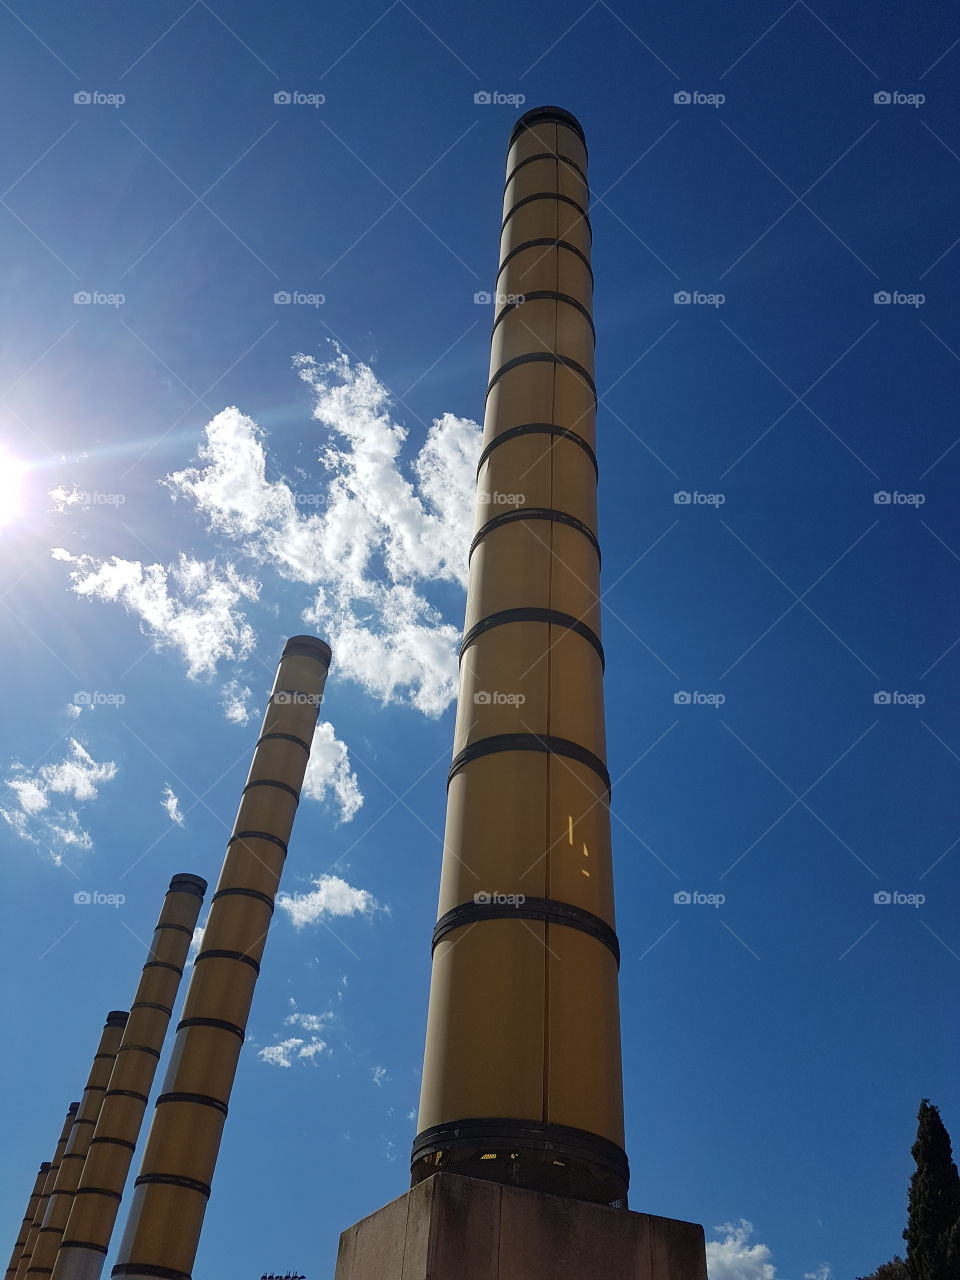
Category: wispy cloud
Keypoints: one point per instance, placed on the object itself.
(171, 804)
(378, 1075)
(365, 537)
(192, 605)
(284, 1053)
(37, 817)
(234, 699)
(308, 1021)
(330, 896)
(329, 773)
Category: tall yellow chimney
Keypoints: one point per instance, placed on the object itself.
(170, 1198)
(522, 1077)
(27, 1222)
(96, 1201)
(78, 1143)
(48, 1183)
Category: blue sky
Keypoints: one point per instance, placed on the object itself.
(190, 493)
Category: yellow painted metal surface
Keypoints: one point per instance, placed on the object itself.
(27, 1221)
(96, 1203)
(523, 1019)
(48, 1184)
(171, 1191)
(75, 1153)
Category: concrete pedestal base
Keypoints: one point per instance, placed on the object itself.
(456, 1228)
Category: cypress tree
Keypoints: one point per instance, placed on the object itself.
(933, 1210)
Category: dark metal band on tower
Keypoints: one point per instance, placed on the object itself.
(163, 1228)
(48, 1184)
(522, 1075)
(96, 1201)
(78, 1144)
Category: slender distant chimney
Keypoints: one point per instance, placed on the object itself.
(181, 1153)
(96, 1201)
(522, 1076)
(28, 1218)
(52, 1170)
(71, 1165)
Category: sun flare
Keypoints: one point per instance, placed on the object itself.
(11, 475)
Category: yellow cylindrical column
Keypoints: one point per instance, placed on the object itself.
(171, 1192)
(27, 1221)
(96, 1201)
(53, 1168)
(522, 1076)
(78, 1143)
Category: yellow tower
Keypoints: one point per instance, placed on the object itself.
(31, 1212)
(163, 1228)
(53, 1168)
(96, 1201)
(521, 1079)
(78, 1144)
(518, 1168)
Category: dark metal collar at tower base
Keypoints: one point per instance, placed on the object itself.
(553, 1158)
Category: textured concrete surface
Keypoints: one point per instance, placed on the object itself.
(455, 1228)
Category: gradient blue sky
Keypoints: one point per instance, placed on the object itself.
(776, 1046)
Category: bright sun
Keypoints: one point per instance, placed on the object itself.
(11, 475)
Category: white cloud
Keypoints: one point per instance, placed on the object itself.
(191, 606)
(823, 1272)
(234, 697)
(278, 1055)
(312, 1049)
(378, 1075)
(197, 940)
(37, 817)
(369, 539)
(733, 1258)
(171, 803)
(308, 1021)
(73, 710)
(328, 770)
(331, 897)
(283, 1054)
